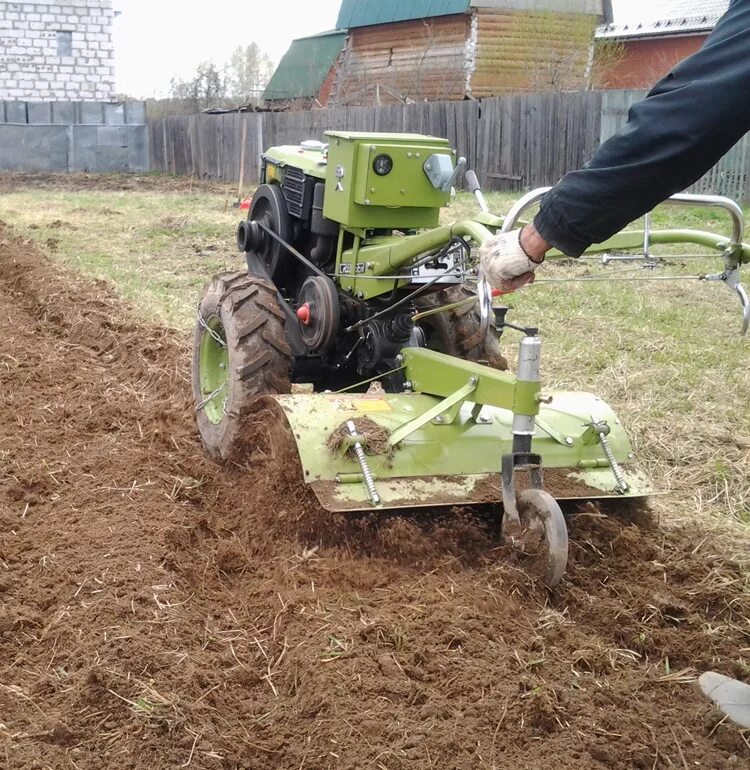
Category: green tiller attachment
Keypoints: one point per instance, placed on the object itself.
(444, 444)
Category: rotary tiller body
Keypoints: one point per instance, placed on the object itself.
(352, 281)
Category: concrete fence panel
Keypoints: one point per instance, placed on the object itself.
(73, 136)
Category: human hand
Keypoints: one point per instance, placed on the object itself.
(504, 262)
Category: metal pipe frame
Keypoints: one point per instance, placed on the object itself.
(683, 199)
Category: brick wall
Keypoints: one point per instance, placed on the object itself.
(56, 50)
(644, 62)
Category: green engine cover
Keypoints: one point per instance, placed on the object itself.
(376, 181)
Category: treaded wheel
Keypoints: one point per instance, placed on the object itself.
(457, 332)
(240, 352)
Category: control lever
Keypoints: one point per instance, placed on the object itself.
(731, 277)
(460, 168)
(473, 184)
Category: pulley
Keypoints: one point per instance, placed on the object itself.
(318, 313)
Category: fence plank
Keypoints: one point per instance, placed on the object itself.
(513, 142)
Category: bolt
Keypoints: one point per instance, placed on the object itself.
(428, 166)
(360, 295)
(372, 189)
(419, 154)
(409, 155)
(222, 366)
(367, 201)
(631, 456)
(408, 385)
(485, 420)
(439, 419)
(569, 441)
(403, 192)
(399, 359)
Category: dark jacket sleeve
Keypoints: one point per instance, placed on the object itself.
(682, 128)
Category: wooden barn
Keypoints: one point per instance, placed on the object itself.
(642, 50)
(427, 50)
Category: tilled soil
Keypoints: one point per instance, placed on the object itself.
(160, 611)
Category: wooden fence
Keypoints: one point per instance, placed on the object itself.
(513, 142)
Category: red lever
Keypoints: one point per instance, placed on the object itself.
(303, 313)
(500, 292)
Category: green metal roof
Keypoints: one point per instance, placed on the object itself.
(305, 66)
(363, 13)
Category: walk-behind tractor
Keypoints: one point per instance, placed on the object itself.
(370, 325)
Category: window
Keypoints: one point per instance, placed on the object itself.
(64, 43)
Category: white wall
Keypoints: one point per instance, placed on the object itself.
(31, 66)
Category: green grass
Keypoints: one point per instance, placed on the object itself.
(668, 356)
(157, 248)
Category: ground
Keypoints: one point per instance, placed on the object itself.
(160, 611)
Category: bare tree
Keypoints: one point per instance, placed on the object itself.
(207, 88)
(247, 73)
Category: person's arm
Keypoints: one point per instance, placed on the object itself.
(682, 128)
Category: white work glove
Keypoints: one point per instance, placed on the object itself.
(505, 264)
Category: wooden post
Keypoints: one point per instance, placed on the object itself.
(243, 142)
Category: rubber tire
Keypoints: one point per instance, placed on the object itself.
(457, 332)
(259, 357)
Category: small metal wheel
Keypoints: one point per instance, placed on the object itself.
(544, 534)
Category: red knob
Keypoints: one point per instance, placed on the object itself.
(303, 313)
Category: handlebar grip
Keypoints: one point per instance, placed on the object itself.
(472, 181)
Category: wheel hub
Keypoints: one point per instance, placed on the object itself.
(214, 369)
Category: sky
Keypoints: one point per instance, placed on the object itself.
(156, 40)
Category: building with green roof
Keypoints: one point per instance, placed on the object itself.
(306, 71)
(401, 51)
